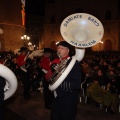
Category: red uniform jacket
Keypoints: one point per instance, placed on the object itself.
(20, 60)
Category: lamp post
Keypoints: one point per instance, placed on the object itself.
(100, 44)
(25, 39)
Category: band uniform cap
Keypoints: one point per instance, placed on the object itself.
(23, 49)
(70, 47)
(48, 50)
(64, 44)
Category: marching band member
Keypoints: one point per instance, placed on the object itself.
(45, 65)
(23, 73)
(66, 96)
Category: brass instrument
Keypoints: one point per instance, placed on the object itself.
(59, 69)
(11, 81)
(81, 30)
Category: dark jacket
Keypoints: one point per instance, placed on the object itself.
(72, 81)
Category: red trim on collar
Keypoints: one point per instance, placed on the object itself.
(65, 57)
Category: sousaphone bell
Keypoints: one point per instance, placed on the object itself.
(81, 30)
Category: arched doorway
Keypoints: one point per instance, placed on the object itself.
(108, 45)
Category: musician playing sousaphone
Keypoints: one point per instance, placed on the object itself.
(66, 96)
(23, 72)
(80, 30)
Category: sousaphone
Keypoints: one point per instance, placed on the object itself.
(81, 30)
(11, 81)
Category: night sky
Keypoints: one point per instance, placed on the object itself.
(35, 7)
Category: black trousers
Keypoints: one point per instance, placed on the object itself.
(25, 78)
(2, 85)
(65, 107)
(48, 95)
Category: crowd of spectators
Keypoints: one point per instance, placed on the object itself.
(104, 65)
(101, 77)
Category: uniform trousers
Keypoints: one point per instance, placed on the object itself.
(48, 96)
(65, 107)
(25, 78)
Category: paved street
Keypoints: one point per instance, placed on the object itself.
(17, 108)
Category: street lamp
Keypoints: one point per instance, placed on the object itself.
(25, 39)
(100, 44)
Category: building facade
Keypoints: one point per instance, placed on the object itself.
(11, 25)
(44, 26)
(108, 13)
